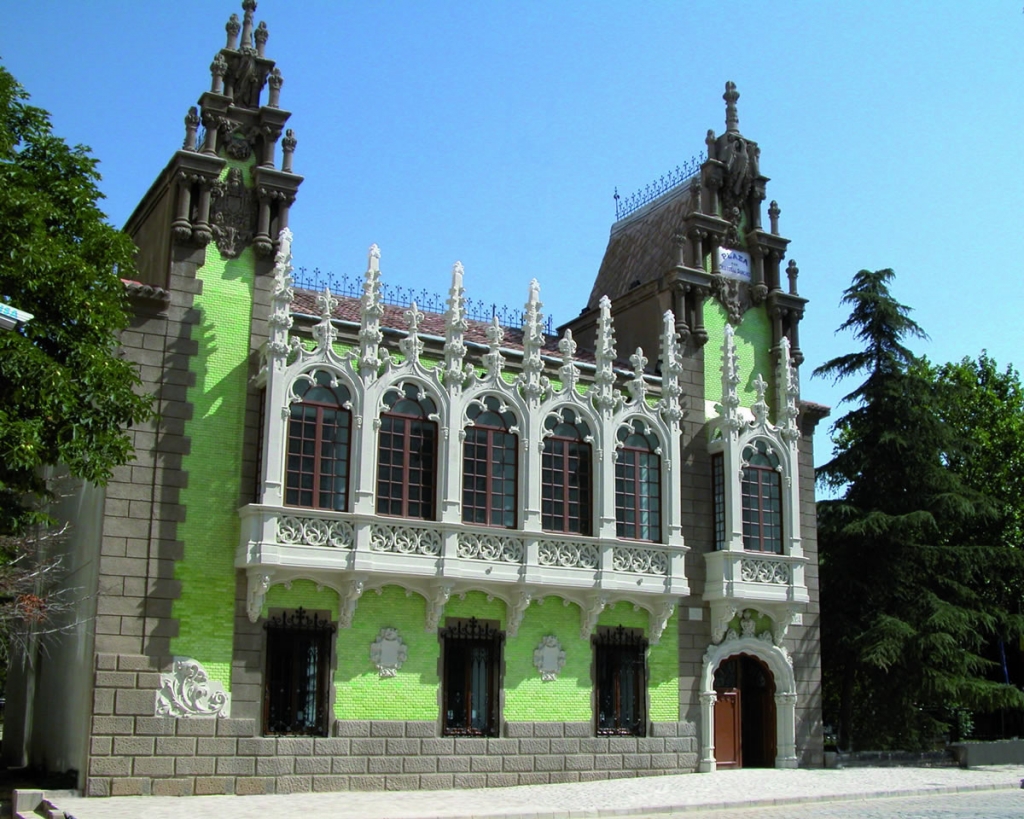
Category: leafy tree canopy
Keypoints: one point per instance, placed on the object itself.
(65, 396)
(909, 610)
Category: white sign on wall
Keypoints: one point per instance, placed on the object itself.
(734, 263)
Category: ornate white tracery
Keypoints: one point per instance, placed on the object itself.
(355, 548)
(772, 583)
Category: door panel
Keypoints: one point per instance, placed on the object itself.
(728, 752)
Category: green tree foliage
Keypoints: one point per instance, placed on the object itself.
(65, 396)
(907, 611)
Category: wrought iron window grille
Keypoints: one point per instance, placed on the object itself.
(297, 673)
(620, 658)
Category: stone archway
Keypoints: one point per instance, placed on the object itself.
(779, 665)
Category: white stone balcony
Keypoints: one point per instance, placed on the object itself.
(278, 544)
(771, 583)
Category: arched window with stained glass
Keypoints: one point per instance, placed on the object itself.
(638, 483)
(761, 493)
(319, 444)
(489, 465)
(407, 454)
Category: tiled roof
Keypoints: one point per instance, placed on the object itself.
(641, 247)
(348, 309)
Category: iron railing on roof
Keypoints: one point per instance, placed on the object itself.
(399, 296)
(660, 186)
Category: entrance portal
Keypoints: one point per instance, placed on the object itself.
(744, 713)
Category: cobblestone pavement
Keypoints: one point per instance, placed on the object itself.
(692, 794)
(977, 805)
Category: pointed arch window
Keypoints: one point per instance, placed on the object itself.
(407, 455)
(761, 493)
(638, 484)
(319, 444)
(489, 461)
(566, 475)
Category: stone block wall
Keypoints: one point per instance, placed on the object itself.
(133, 752)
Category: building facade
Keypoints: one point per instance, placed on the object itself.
(365, 545)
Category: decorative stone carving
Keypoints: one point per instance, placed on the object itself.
(406, 540)
(605, 397)
(388, 652)
(349, 600)
(659, 621)
(733, 295)
(297, 531)
(532, 382)
(569, 554)
(492, 548)
(187, 691)
(589, 615)
(233, 214)
(757, 570)
(515, 615)
(640, 560)
(549, 658)
(435, 605)
(259, 584)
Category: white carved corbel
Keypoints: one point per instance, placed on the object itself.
(722, 612)
(349, 600)
(259, 584)
(435, 605)
(515, 616)
(589, 615)
(659, 621)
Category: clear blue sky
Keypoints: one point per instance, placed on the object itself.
(495, 133)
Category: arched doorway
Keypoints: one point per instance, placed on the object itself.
(777, 703)
(744, 713)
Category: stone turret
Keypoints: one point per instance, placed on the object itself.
(223, 185)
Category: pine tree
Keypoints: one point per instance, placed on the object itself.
(905, 619)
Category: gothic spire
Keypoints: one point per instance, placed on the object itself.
(732, 120)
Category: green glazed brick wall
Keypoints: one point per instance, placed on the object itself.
(205, 610)
(753, 351)
(304, 594)
(361, 692)
(566, 699)
(662, 659)
(475, 604)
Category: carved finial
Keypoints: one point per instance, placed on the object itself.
(280, 320)
(792, 271)
(218, 68)
(412, 345)
(732, 120)
(532, 381)
(261, 35)
(605, 398)
(324, 332)
(232, 28)
(773, 216)
(372, 310)
(275, 81)
(191, 125)
(710, 140)
(671, 370)
(248, 8)
(760, 408)
(730, 381)
(787, 394)
(455, 325)
(569, 372)
(637, 386)
(494, 361)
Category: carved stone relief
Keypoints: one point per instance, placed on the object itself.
(233, 215)
(388, 652)
(187, 691)
(549, 658)
(733, 295)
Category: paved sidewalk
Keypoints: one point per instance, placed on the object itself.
(644, 796)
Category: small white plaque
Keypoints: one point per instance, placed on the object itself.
(734, 263)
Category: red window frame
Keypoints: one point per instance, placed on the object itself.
(407, 458)
(567, 464)
(632, 492)
(760, 490)
(312, 458)
(489, 493)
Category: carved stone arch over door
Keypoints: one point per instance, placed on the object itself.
(779, 663)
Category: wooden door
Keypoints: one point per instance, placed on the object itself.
(728, 752)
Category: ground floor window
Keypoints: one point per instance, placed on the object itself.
(620, 678)
(298, 674)
(472, 677)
